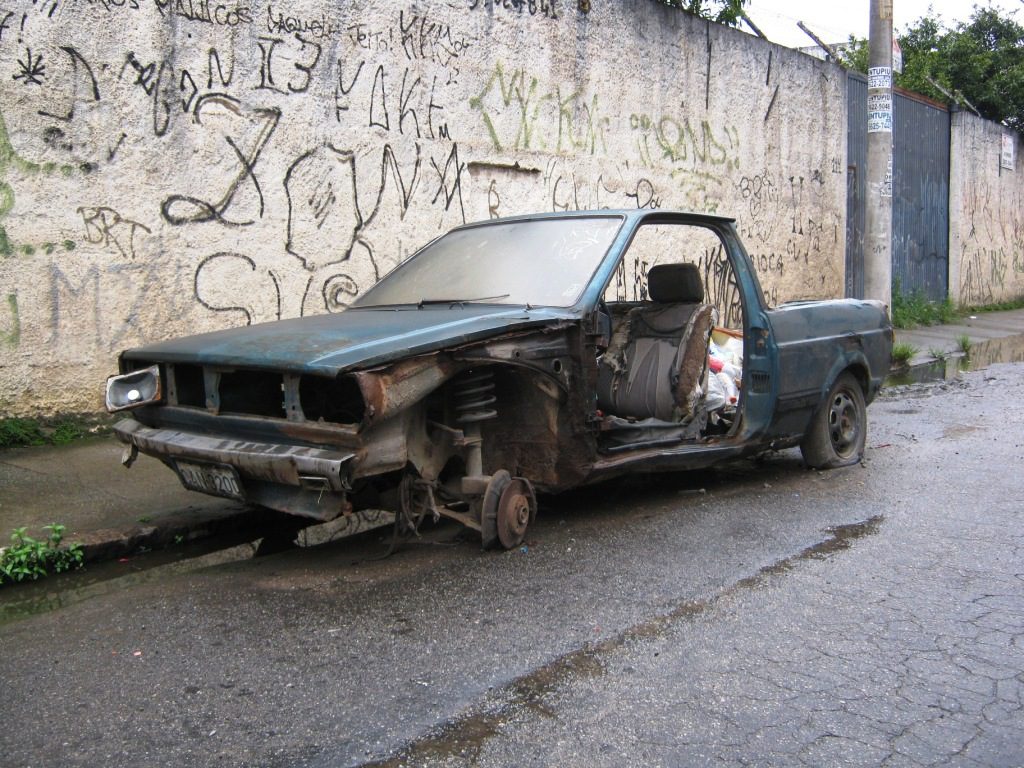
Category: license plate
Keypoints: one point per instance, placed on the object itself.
(210, 478)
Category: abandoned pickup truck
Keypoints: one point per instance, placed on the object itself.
(526, 354)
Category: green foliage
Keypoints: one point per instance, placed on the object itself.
(19, 431)
(1000, 306)
(903, 353)
(964, 343)
(721, 11)
(29, 558)
(980, 61)
(912, 310)
(66, 431)
(854, 55)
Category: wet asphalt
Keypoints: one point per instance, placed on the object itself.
(761, 614)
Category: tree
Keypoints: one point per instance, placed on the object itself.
(985, 61)
(980, 62)
(721, 11)
(854, 54)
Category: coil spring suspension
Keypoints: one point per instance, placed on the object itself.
(474, 396)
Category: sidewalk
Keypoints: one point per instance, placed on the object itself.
(944, 339)
(110, 510)
(114, 511)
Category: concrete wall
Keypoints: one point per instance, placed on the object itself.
(986, 213)
(175, 166)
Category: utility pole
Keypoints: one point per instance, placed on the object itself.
(878, 225)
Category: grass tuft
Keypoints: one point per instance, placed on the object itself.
(1001, 306)
(913, 310)
(903, 353)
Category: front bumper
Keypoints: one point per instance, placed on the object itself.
(291, 465)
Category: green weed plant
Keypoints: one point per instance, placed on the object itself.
(28, 558)
(903, 353)
(910, 310)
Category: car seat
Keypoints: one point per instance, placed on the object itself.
(656, 364)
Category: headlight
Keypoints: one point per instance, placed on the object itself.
(130, 390)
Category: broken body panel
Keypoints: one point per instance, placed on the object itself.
(461, 406)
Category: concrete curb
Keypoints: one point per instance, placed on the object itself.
(176, 528)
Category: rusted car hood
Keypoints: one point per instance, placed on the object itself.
(356, 338)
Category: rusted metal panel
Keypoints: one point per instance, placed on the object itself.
(390, 389)
(272, 462)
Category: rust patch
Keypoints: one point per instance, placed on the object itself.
(395, 387)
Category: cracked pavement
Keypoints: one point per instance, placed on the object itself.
(760, 615)
(906, 651)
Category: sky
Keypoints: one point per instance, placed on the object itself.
(835, 20)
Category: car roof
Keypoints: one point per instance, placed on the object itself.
(630, 214)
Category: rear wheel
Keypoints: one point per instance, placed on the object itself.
(835, 437)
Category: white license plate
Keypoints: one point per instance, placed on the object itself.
(210, 478)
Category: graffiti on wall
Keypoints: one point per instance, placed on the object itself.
(281, 170)
(520, 112)
(992, 250)
(700, 157)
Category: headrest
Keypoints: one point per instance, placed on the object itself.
(675, 284)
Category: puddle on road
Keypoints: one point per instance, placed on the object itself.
(983, 354)
(466, 736)
(1007, 350)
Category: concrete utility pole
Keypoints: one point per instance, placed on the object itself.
(878, 229)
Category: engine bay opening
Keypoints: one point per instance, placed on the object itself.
(339, 400)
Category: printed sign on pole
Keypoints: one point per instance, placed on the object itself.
(1006, 156)
(879, 77)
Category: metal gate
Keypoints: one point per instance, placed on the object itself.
(920, 196)
(920, 190)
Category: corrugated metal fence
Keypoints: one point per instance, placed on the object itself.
(920, 189)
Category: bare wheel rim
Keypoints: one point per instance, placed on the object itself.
(844, 424)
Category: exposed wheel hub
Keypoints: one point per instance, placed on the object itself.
(507, 509)
(516, 509)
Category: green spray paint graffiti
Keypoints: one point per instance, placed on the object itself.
(520, 113)
(13, 336)
(11, 160)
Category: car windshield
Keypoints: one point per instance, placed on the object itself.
(540, 262)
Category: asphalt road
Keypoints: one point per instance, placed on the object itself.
(762, 614)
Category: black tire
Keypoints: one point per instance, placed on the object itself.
(837, 432)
